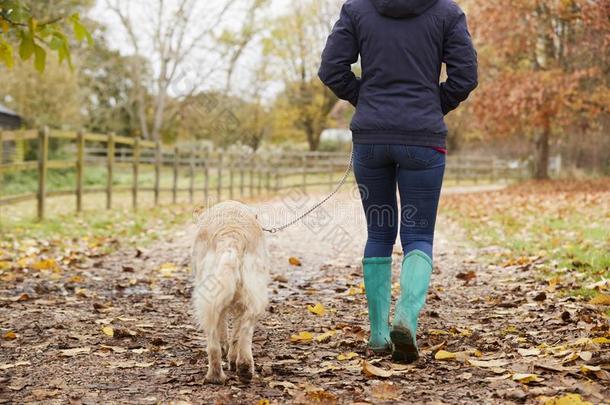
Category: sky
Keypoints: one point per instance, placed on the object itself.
(141, 13)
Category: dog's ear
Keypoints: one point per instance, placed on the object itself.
(197, 212)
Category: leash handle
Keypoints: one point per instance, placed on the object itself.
(350, 166)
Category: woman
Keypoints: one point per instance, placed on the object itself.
(399, 138)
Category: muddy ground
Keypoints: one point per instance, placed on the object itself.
(119, 329)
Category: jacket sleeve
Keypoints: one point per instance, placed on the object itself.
(460, 57)
(340, 53)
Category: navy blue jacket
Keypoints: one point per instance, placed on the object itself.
(402, 45)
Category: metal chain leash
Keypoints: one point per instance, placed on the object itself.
(321, 203)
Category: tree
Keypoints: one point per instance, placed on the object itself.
(295, 44)
(24, 25)
(543, 69)
(179, 31)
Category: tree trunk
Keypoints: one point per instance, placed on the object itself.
(542, 153)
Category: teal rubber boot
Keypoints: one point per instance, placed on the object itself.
(378, 287)
(414, 283)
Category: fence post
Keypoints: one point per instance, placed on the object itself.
(192, 176)
(80, 168)
(1, 160)
(43, 155)
(219, 181)
(268, 178)
(231, 183)
(110, 168)
(206, 177)
(251, 163)
(241, 176)
(136, 173)
(304, 168)
(158, 163)
(259, 174)
(331, 167)
(175, 185)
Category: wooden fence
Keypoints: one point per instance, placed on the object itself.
(215, 173)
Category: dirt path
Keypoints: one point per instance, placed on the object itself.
(497, 316)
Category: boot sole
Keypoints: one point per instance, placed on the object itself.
(405, 349)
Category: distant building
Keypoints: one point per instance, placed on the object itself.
(9, 119)
(341, 117)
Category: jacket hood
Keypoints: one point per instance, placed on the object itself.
(402, 8)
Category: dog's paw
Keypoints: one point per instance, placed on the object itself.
(215, 378)
(245, 372)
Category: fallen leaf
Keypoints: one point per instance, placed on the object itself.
(488, 363)
(75, 352)
(470, 275)
(445, 355)
(21, 298)
(129, 364)
(325, 337)
(529, 352)
(569, 399)
(525, 378)
(600, 299)
(587, 369)
(294, 261)
(601, 340)
(167, 270)
(115, 349)
(263, 402)
(10, 335)
(301, 337)
(317, 309)
(586, 356)
(108, 331)
(13, 365)
(347, 356)
(385, 391)
(284, 384)
(48, 264)
(374, 371)
(355, 291)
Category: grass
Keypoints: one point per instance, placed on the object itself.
(563, 226)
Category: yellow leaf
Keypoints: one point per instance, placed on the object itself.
(444, 355)
(325, 337)
(601, 340)
(587, 369)
(4, 25)
(294, 261)
(301, 337)
(75, 279)
(263, 402)
(374, 371)
(355, 291)
(4, 265)
(437, 332)
(317, 309)
(108, 331)
(600, 299)
(167, 270)
(347, 356)
(569, 399)
(525, 378)
(10, 335)
(48, 264)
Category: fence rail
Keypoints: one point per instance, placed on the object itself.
(214, 172)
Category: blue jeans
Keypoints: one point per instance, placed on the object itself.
(418, 171)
